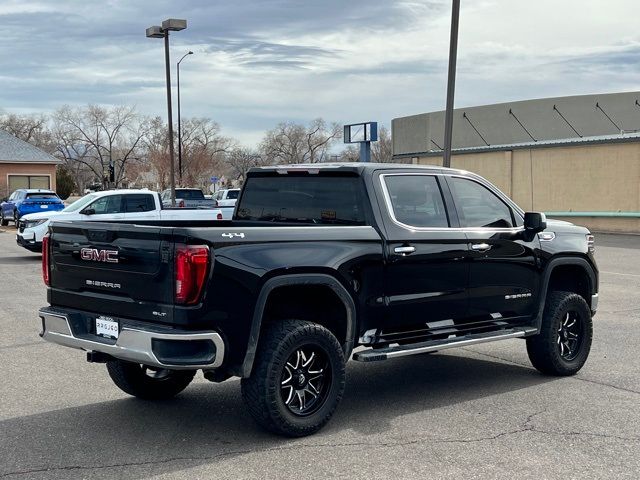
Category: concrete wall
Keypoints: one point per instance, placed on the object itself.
(7, 169)
(598, 178)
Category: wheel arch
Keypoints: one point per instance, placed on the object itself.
(558, 266)
(272, 285)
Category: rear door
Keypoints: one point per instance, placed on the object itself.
(425, 273)
(503, 282)
(115, 269)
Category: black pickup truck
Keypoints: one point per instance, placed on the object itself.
(320, 263)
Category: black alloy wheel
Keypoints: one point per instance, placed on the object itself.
(305, 380)
(570, 335)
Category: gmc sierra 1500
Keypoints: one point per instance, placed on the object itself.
(319, 260)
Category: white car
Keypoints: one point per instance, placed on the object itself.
(125, 205)
(226, 197)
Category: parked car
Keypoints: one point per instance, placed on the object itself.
(226, 197)
(24, 201)
(137, 206)
(188, 198)
(396, 260)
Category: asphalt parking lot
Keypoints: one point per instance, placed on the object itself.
(480, 412)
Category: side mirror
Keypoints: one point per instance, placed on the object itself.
(88, 211)
(535, 222)
(4, 199)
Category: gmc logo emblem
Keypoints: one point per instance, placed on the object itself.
(95, 255)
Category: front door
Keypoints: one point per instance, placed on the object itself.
(503, 282)
(425, 273)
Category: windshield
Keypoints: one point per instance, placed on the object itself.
(78, 204)
(314, 199)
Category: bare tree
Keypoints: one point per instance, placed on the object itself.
(98, 137)
(239, 160)
(381, 151)
(295, 143)
(33, 129)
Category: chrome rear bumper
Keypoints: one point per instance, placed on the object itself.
(139, 346)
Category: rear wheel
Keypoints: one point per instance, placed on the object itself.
(148, 383)
(564, 341)
(298, 378)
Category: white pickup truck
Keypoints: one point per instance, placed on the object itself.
(120, 205)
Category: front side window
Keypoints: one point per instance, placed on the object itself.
(417, 200)
(478, 206)
(107, 205)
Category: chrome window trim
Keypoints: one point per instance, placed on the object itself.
(392, 216)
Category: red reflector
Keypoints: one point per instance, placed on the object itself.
(191, 270)
(219, 216)
(46, 275)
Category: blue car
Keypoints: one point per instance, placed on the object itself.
(24, 201)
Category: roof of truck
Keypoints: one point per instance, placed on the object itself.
(349, 167)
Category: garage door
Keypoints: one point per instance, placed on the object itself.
(28, 181)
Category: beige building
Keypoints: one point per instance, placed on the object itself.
(24, 166)
(591, 177)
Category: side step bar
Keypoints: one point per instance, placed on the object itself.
(376, 355)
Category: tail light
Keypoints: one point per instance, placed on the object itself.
(181, 204)
(219, 216)
(46, 269)
(191, 266)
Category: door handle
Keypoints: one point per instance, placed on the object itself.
(404, 250)
(480, 247)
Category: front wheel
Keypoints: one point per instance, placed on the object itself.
(298, 378)
(148, 383)
(563, 344)
(15, 218)
(3, 221)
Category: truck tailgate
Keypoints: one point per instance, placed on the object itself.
(116, 269)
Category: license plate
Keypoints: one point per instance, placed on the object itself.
(106, 327)
(44, 206)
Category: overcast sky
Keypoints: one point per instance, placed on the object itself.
(259, 62)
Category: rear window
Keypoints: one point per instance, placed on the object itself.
(42, 196)
(312, 199)
(190, 194)
(233, 194)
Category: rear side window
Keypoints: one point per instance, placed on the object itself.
(305, 199)
(138, 203)
(416, 200)
(478, 206)
(232, 194)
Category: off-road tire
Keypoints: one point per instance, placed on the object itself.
(262, 391)
(544, 349)
(132, 378)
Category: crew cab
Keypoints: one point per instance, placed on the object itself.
(187, 198)
(24, 201)
(110, 205)
(321, 263)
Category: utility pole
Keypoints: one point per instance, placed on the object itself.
(451, 83)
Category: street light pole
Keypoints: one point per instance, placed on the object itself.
(171, 24)
(451, 83)
(179, 122)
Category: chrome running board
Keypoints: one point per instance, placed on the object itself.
(379, 354)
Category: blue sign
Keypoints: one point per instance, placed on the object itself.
(214, 179)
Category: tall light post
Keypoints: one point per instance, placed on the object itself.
(169, 25)
(179, 122)
(451, 83)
